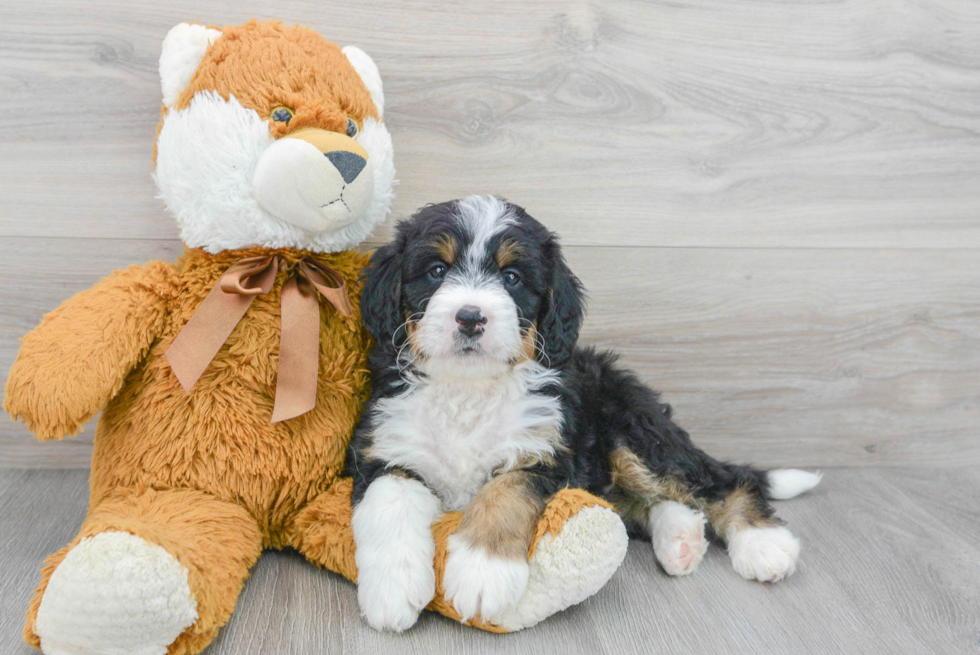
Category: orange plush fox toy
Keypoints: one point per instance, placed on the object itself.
(230, 382)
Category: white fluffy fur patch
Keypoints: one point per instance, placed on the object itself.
(395, 552)
(763, 554)
(206, 159)
(455, 433)
(789, 483)
(677, 534)
(478, 584)
(570, 566)
(115, 594)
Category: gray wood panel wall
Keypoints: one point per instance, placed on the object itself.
(774, 205)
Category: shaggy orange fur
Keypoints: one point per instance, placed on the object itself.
(206, 475)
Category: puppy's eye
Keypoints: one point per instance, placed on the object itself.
(351, 128)
(282, 114)
(511, 278)
(438, 271)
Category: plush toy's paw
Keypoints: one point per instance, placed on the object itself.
(115, 594)
(568, 567)
(479, 584)
(764, 554)
(677, 534)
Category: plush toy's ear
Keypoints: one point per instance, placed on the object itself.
(381, 298)
(183, 50)
(562, 311)
(368, 71)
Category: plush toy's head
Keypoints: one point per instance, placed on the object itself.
(271, 136)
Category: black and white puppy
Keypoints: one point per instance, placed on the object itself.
(482, 403)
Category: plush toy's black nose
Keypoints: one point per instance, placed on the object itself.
(348, 163)
(470, 320)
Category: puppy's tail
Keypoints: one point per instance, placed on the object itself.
(789, 483)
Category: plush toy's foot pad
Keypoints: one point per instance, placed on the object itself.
(570, 566)
(115, 594)
(764, 554)
(677, 534)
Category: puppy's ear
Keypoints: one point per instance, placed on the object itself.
(381, 298)
(562, 310)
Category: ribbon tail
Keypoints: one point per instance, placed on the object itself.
(299, 351)
(329, 283)
(202, 337)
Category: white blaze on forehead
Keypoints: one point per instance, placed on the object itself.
(483, 217)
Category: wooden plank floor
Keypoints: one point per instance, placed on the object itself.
(891, 565)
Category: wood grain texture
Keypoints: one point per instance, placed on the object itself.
(889, 567)
(853, 123)
(775, 205)
(779, 357)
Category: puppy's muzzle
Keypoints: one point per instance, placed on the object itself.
(470, 320)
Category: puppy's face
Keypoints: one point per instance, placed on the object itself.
(476, 286)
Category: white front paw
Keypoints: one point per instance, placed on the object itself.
(481, 584)
(395, 552)
(392, 597)
(764, 554)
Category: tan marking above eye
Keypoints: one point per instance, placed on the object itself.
(508, 252)
(447, 248)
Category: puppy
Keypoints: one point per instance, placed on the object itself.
(482, 403)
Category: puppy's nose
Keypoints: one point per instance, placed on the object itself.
(349, 164)
(470, 320)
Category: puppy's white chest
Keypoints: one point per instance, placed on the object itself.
(456, 434)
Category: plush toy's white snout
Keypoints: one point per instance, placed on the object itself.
(316, 180)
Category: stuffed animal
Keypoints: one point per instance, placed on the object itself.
(230, 382)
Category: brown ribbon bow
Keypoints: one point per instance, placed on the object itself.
(299, 343)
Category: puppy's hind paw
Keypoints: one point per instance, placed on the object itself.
(764, 554)
(677, 534)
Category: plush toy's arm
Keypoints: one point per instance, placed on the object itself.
(77, 359)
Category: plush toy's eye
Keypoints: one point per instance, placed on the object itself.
(438, 271)
(511, 278)
(351, 128)
(282, 114)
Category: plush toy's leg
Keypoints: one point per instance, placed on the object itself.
(322, 532)
(577, 546)
(149, 573)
